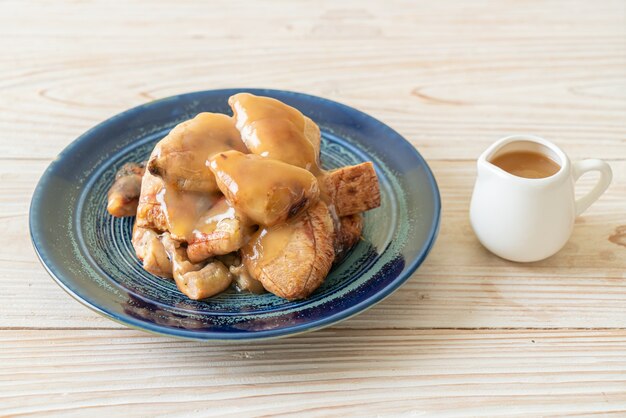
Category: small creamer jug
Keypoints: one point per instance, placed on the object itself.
(528, 216)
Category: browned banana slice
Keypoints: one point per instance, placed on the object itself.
(272, 129)
(180, 158)
(197, 281)
(151, 252)
(266, 191)
(123, 195)
(220, 231)
(291, 260)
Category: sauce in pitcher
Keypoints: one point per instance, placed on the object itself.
(527, 164)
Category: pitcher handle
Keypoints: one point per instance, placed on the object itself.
(606, 175)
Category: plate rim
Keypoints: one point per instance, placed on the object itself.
(265, 334)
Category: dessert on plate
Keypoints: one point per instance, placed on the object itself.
(243, 200)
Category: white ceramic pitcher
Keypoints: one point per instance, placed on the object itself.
(524, 219)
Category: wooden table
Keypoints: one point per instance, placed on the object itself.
(468, 335)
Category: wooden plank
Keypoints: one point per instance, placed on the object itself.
(450, 76)
(385, 372)
(459, 75)
(460, 284)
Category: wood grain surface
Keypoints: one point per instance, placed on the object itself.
(468, 335)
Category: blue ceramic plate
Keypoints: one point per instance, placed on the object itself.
(89, 253)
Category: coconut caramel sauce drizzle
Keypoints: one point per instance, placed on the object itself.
(220, 211)
(268, 242)
(272, 130)
(275, 130)
(192, 214)
(189, 192)
(180, 157)
(267, 191)
(183, 210)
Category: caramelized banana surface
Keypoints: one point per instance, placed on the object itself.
(266, 191)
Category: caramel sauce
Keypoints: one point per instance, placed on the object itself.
(275, 130)
(266, 191)
(208, 222)
(205, 201)
(181, 156)
(183, 209)
(248, 106)
(272, 189)
(527, 164)
(268, 243)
